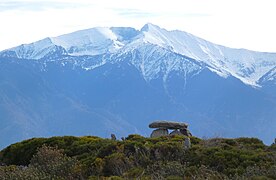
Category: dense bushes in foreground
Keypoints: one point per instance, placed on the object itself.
(138, 158)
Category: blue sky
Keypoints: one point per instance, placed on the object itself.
(237, 23)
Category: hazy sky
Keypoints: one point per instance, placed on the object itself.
(246, 24)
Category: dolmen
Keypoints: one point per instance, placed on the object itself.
(163, 127)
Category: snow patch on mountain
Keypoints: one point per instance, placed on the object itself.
(270, 76)
(248, 66)
(36, 50)
(89, 42)
(154, 61)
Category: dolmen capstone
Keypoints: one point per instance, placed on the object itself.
(163, 127)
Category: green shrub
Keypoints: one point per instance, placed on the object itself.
(117, 164)
(48, 163)
(174, 178)
(53, 162)
(134, 173)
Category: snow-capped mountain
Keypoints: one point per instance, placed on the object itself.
(117, 80)
(248, 66)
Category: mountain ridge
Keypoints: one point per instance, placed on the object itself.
(248, 66)
(148, 77)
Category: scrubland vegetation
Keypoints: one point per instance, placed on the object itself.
(138, 157)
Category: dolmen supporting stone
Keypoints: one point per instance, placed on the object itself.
(163, 128)
(159, 132)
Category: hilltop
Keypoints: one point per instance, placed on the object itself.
(137, 157)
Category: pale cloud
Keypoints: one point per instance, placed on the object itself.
(31, 5)
(133, 13)
(241, 24)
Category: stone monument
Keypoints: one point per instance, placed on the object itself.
(163, 127)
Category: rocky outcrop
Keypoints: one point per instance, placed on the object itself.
(163, 128)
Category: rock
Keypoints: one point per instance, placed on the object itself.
(2, 164)
(187, 143)
(168, 125)
(186, 132)
(159, 132)
(176, 132)
(113, 137)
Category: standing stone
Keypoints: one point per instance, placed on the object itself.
(113, 137)
(186, 132)
(176, 132)
(187, 143)
(159, 132)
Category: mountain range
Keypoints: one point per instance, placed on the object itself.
(105, 80)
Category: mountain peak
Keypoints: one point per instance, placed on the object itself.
(150, 26)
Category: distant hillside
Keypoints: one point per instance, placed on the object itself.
(137, 157)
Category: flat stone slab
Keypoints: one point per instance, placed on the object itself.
(168, 125)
